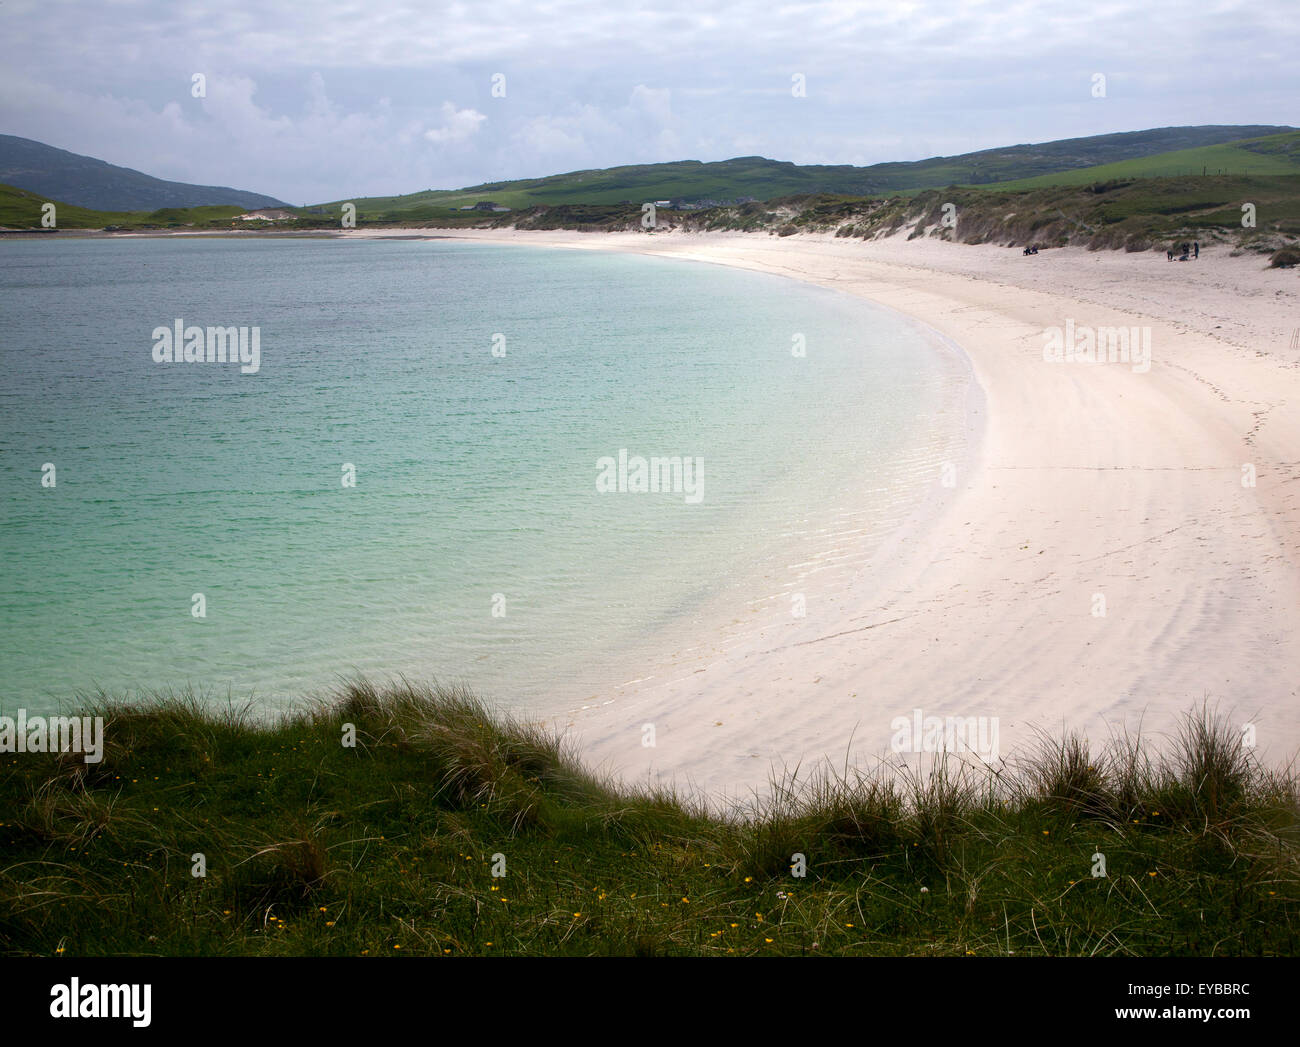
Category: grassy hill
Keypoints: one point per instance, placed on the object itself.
(1137, 214)
(1272, 155)
(21, 209)
(1135, 203)
(756, 177)
(448, 830)
(1129, 213)
(1133, 214)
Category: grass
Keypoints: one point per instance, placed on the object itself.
(1140, 203)
(20, 209)
(388, 847)
(758, 178)
(1273, 155)
(1133, 214)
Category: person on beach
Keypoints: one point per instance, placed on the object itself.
(1196, 248)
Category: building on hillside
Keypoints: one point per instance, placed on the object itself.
(270, 214)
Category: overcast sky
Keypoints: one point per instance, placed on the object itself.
(335, 99)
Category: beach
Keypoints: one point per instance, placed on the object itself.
(1122, 546)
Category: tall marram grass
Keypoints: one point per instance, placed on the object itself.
(450, 829)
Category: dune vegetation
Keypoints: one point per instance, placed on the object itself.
(448, 829)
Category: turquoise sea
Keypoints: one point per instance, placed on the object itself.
(475, 544)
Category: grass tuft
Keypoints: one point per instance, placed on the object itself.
(404, 818)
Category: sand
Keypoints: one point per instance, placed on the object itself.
(1090, 481)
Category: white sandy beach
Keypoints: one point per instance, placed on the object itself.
(1089, 479)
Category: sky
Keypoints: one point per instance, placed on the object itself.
(338, 99)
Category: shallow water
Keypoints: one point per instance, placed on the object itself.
(475, 544)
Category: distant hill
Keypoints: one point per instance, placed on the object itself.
(86, 182)
(1272, 155)
(1131, 202)
(696, 183)
(22, 209)
(1134, 214)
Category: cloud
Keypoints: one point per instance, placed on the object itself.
(458, 125)
(597, 85)
(643, 129)
(235, 137)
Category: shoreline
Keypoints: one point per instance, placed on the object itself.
(1097, 480)
(825, 570)
(1091, 481)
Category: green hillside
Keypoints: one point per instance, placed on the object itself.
(1272, 155)
(1134, 214)
(1123, 203)
(693, 182)
(20, 209)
